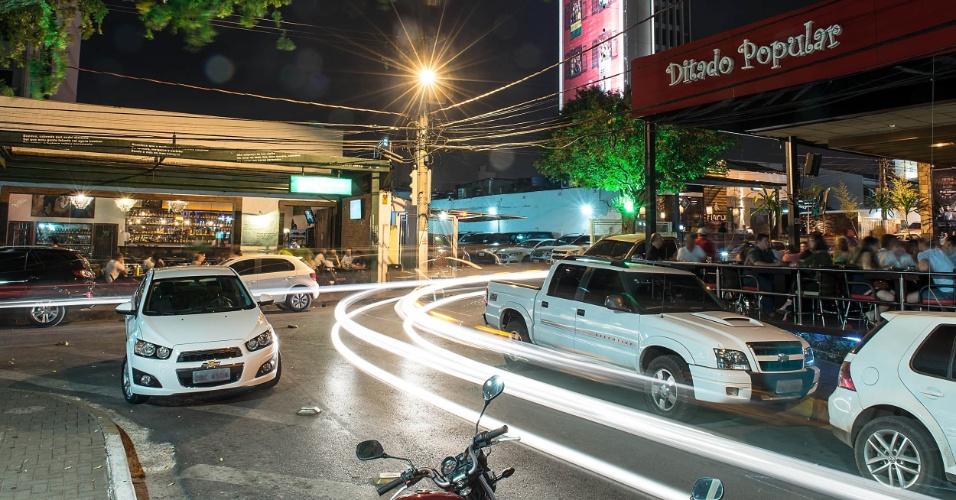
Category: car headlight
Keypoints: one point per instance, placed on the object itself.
(150, 350)
(729, 359)
(259, 341)
(808, 358)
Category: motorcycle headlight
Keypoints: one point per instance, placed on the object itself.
(259, 341)
(808, 358)
(729, 359)
(150, 350)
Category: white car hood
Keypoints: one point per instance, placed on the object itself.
(728, 329)
(171, 331)
(567, 247)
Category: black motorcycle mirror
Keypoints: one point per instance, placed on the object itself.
(491, 389)
(707, 488)
(370, 450)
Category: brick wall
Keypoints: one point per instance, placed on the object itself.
(355, 232)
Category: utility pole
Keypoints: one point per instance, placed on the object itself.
(422, 184)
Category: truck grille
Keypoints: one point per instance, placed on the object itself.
(778, 356)
(208, 354)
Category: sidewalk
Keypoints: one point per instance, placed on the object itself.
(53, 447)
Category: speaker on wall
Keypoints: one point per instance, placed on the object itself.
(811, 167)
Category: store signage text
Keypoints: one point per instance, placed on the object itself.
(811, 41)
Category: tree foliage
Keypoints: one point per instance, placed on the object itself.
(598, 145)
(767, 201)
(40, 30)
(849, 204)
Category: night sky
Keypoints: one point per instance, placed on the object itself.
(346, 54)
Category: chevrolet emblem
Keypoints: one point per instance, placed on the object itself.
(211, 364)
(783, 357)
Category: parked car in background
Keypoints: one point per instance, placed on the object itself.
(289, 281)
(492, 242)
(546, 253)
(628, 246)
(521, 252)
(895, 403)
(44, 273)
(195, 329)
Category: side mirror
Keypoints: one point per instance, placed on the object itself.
(126, 308)
(266, 300)
(492, 388)
(369, 450)
(616, 303)
(708, 488)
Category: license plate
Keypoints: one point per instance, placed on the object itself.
(214, 375)
(788, 386)
(481, 254)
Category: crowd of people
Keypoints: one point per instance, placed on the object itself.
(872, 253)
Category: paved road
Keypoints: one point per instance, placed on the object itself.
(253, 444)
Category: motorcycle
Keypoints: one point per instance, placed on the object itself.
(465, 476)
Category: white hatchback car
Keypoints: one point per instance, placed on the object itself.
(895, 403)
(195, 329)
(286, 278)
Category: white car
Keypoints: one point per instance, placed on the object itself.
(286, 278)
(895, 403)
(521, 252)
(543, 252)
(574, 247)
(195, 329)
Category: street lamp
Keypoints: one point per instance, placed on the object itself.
(422, 178)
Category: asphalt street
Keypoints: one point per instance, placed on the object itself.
(253, 444)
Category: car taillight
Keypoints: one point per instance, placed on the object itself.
(845, 381)
(82, 273)
(312, 275)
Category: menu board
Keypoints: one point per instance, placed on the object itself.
(944, 201)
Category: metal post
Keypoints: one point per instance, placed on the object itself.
(793, 187)
(650, 185)
(423, 193)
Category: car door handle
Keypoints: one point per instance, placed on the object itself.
(933, 393)
(580, 312)
(544, 304)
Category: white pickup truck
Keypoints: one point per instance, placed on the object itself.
(661, 322)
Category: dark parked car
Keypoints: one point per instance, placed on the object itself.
(37, 273)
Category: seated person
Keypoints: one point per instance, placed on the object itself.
(937, 260)
(347, 258)
(690, 252)
(896, 257)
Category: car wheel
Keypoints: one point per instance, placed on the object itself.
(275, 381)
(298, 302)
(669, 390)
(898, 452)
(45, 316)
(526, 260)
(519, 332)
(128, 394)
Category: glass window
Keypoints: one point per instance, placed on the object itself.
(244, 267)
(935, 356)
(603, 282)
(276, 266)
(565, 281)
(670, 293)
(196, 295)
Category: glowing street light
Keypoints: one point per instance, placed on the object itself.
(427, 77)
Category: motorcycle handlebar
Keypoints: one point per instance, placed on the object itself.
(392, 485)
(484, 438)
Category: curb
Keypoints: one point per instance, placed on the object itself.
(121, 480)
(812, 408)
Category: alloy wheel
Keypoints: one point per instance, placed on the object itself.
(892, 459)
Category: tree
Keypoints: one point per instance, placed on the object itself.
(41, 29)
(598, 145)
(907, 198)
(849, 204)
(768, 201)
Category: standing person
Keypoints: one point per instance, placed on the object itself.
(690, 252)
(761, 255)
(656, 250)
(723, 228)
(115, 268)
(199, 259)
(709, 248)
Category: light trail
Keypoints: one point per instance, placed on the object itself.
(344, 320)
(670, 433)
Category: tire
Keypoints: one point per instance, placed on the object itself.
(298, 302)
(669, 389)
(897, 452)
(519, 332)
(272, 383)
(526, 260)
(127, 387)
(46, 316)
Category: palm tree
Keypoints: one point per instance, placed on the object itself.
(768, 201)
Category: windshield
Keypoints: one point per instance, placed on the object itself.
(196, 295)
(529, 243)
(668, 293)
(614, 249)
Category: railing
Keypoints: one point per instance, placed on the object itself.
(789, 283)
